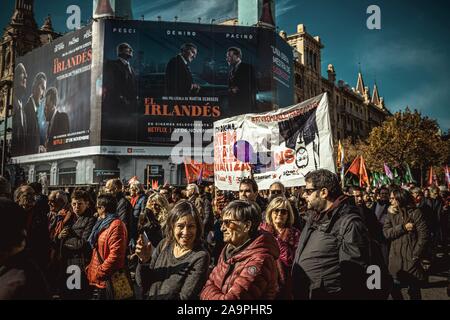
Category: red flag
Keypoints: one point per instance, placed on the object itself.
(363, 176)
(430, 177)
(358, 168)
(354, 167)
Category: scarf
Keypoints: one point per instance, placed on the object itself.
(99, 226)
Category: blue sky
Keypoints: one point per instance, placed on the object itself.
(408, 57)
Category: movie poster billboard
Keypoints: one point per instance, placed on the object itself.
(282, 145)
(51, 99)
(160, 77)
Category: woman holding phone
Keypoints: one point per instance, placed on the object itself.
(177, 268)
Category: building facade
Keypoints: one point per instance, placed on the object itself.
(354, 111)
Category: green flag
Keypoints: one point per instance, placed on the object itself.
(408, 175)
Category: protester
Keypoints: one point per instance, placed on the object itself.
(279, 221)
(332, 253)
(177, 268)
(20, 276)
(405, 227)
(247, 267)
(138, 201)
(108, 241)
(380, 209)
(248, 190)
(148, 219)
(61, 219)
(38, 240)
(76, 250)
(124, 209)
(159, 206)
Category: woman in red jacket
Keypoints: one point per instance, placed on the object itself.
(109, 242)
(279, 220)
(247, 265)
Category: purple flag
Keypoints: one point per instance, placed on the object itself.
(388, 172)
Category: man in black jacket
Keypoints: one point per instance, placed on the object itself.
(20, 277)
(178, 78)
(58, 122)
(241, 83)
(124, 208)
(332, 255)
(38, 239)
(373, 226)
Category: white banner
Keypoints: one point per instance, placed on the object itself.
(282, 145)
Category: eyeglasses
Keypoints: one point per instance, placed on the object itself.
(227, 222)
(309, 191)
(275, 191)
(281, 211)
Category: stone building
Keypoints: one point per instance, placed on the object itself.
(354, 111)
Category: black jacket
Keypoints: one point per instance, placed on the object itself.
(33, 136)
(38, 238)
(332, 255)
(406, 247)
(22, 279)
(244, 80)
(124, 210)
(58, 125)
(178, 78)
(76, 249)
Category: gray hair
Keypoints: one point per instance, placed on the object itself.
(244, 211)
(59, 195)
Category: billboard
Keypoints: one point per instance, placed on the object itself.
(51, 102)
(160, 77)
(282, 145)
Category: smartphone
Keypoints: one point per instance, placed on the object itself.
(145, 238)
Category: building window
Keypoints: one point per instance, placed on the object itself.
(67, 176)
(337, 100)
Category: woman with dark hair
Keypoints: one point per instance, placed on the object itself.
(177, 268)
(405, 227)
(279, 222)
(247, 267)
(75, 246)
(108, 241)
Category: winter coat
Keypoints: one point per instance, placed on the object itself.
(137, 209)
(287, 243)
(406, 247)
(112, 246)
(124, 210)
(38, 239)
(76, 249)
(249, 274)
(332, 255)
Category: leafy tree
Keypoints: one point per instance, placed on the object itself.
(407, 137)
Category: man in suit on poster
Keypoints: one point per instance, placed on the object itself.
(241, 83)
(120, 96)
(178, 78)
(19, 125)
(31, 109)
(58, 122)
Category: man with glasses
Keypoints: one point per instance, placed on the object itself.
(332, 254)
(178, 79)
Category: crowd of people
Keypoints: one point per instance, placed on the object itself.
(198, 242)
